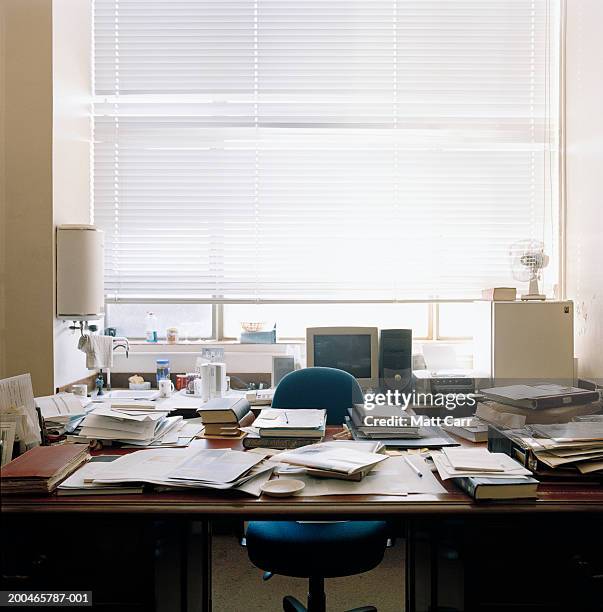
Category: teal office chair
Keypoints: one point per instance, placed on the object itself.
(317, 550)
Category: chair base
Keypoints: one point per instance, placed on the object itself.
(317, 601)
(291, 604)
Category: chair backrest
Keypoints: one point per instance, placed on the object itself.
(328, 388)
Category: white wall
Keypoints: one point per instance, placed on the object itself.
(584, 172)
(72, 88)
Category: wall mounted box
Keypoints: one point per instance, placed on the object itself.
(80, 273)
(524, 342)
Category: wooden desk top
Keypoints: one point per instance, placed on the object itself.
(551, 498)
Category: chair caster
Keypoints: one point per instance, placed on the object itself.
(290, 604)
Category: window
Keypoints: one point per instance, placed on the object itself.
(193, 321)
(323, 150)
(292, 319)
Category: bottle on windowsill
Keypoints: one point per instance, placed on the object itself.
(151, 327)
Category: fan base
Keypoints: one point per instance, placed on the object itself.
(536, 297)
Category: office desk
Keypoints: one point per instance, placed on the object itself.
(562, 502)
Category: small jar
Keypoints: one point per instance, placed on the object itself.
(163, 369)
(171, 334)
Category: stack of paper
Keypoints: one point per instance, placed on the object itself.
(297, 423)
(135, 426)
(81, 481)
(333, 458)
(282, 428)
(577, 445)
(485, 475)
(191, 467)
(62, 412)
(458, 462)
(384, 422)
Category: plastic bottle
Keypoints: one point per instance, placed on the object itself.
(151, 327)
(163, 369)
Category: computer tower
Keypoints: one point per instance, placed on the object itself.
(395, 360)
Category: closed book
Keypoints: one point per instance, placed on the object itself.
(540, 397)
(224, 410)
(255, 441)
(560, 414)
(499, 294)
(482, 488)
(229, 429)
(40, 469)
(473, 433)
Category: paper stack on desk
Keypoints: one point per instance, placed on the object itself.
(62, 412)
(193, 467)
(283, 428)
(577, 445)
(383, 422)
(485, 475)
(135, 427)
(333, 458)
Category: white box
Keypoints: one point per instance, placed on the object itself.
(524, 342)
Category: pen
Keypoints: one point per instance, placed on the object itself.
(415, 469)
(286, 417)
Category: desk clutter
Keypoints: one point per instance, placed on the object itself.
(565, 451)
(286, 429)
(485, 475)
(40, 469)
(226, 417)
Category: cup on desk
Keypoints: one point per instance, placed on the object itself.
(166, 387)
(81, 390)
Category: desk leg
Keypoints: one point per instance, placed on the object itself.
(434, 546)
(409, 567)
(206, 603)
(184, 540)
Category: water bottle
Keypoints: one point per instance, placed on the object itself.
(151, 327)
(163, 369)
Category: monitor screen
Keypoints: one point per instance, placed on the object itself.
(351, 353)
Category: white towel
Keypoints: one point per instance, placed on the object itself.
(99, 351)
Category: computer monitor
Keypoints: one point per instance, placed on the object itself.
(352, 349)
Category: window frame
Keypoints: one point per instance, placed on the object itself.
(218, 335)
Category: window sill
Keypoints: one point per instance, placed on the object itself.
(142, 346)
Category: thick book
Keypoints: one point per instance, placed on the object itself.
(477, 431)
(499, 294)
(539, 397)
(40, 469)
(255, 441)
(229, 429)
(482, 488)
(224, 410)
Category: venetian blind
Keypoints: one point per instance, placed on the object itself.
(323, 150)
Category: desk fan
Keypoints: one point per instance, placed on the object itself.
(527, 259)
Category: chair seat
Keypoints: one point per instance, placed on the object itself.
(329, 550)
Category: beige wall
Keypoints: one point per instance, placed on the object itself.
(45, 178)
(584, 171)
(27, 229)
